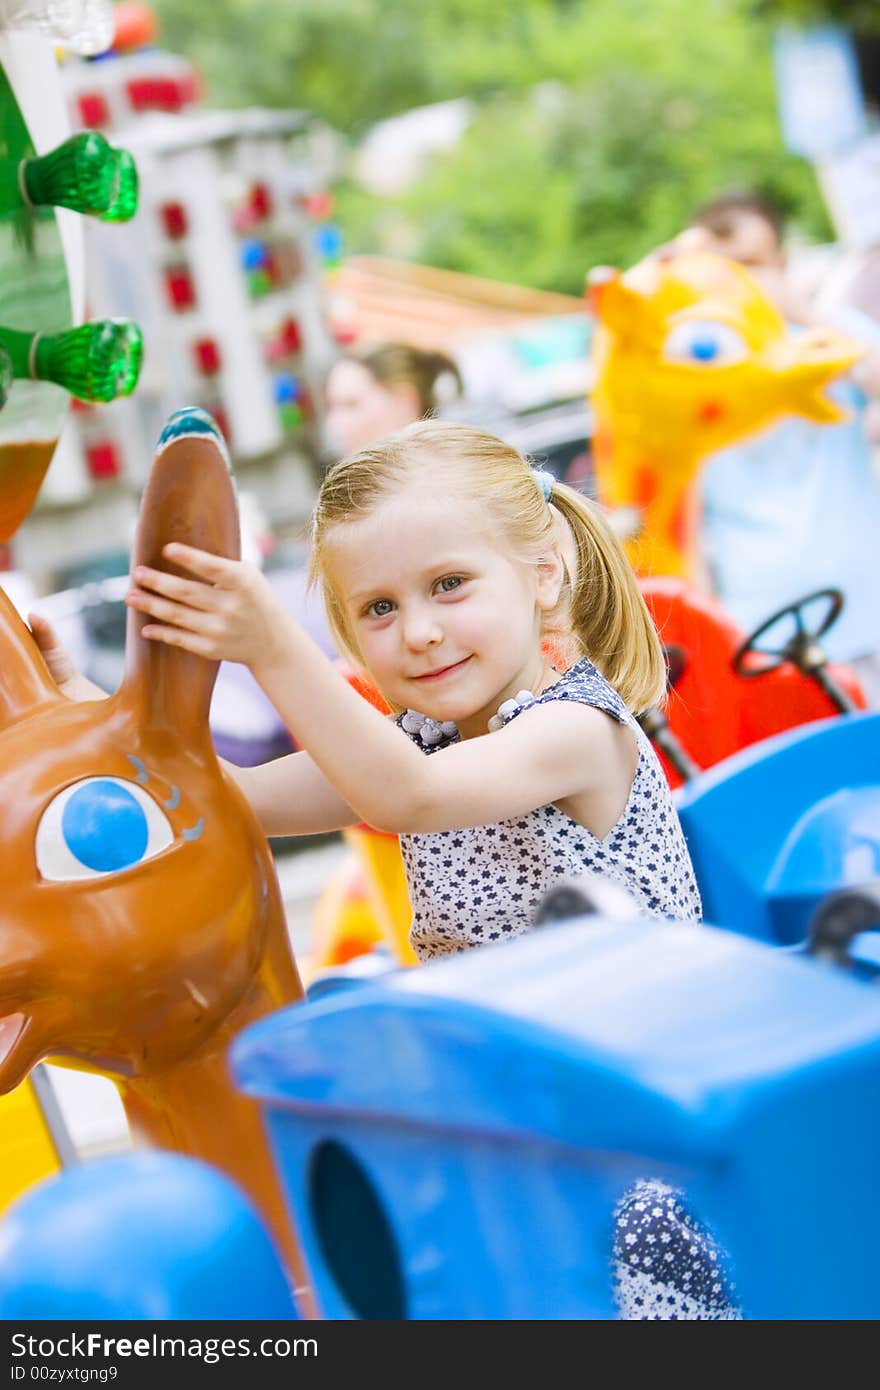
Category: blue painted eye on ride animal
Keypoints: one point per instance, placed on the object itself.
(99, 826)
(705, 343)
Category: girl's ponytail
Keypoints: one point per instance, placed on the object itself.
(607, 615)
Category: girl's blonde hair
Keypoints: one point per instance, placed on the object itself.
(601, 612)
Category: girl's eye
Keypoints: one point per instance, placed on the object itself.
(99, 826)
(705, 343)
(448, 583)
(381, 608)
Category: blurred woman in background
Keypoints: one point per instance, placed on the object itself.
(376, 390)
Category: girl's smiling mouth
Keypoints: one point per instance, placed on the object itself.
(443, 671)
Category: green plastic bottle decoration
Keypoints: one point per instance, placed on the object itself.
(82, 174)
(124, 206)
(98, 361)
(85, 173)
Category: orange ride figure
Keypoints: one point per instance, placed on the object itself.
(690, 355)
(140, 915)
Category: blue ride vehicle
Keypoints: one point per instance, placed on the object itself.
(452, 1141)
(777, 829)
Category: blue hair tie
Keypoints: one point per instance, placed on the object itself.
(545, 482)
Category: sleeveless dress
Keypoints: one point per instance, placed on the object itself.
(482, 884)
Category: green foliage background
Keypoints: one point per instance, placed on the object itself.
(598, 124)
(862, 16)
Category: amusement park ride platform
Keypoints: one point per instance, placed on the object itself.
(375, 297)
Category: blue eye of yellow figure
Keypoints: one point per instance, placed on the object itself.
(100, 826)
(705, 343)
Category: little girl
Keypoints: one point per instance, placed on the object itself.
(449, 570)
(445, 562)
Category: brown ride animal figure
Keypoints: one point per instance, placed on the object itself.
(140, 915)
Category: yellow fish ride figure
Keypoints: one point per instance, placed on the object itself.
(689, 357)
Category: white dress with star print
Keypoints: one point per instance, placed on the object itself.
(482, 884)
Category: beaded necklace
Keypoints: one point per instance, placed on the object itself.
(433, 734)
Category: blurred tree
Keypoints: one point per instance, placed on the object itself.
(542, 188)
(859, 15)
(598, 126)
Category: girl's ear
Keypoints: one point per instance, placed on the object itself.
(189, 497)
(551, 577)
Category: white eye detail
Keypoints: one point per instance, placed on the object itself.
(99, 826)
(705, 343)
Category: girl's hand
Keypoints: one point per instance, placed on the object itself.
(227, 613)
(61, 668)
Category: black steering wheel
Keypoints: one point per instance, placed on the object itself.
(802, 647)
(840, 917)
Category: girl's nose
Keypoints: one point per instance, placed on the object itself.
(420, 629)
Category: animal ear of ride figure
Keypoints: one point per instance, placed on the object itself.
(140, 914)
(691, 356)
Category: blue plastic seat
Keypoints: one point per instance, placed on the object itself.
(776, 828)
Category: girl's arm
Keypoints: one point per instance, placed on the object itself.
(547, 754)
(289, 796)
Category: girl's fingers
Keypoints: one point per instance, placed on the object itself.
(179, 637)
(44, 633)
(179, 615)
(56, 656)
(191, 592)
(215, 568)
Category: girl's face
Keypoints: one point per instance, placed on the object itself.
(360, 410)
(447, 622)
